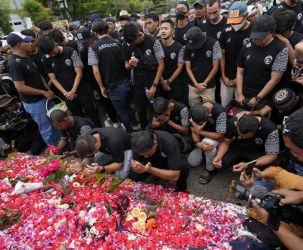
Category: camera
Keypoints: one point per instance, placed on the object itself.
(270, 201)
(12, 121)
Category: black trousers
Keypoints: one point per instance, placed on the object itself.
(83, 105)
(235, 155)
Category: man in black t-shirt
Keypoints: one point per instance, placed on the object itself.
(296, 7)
(152, 25)
(208, 126)
(157, 153)
(200, 7)
(174, 51)
(33, 91)
(170, 116)
(260, 65)
(145, 56)
(64, 68)
(215, 23)
(71, 128)
(249, 138)
(113, 147)
(182, 25)
(105, 57)
(232, 40)
(202, 58)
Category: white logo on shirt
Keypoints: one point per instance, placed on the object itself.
(68, 62)
(268, 60)
(246, 41)
(53, 65)
(208, 53)
(299, 16)
(228, 40)
(219, 34)
(184, 37)
(172, 55)
(192, 55)
(258, 141)
(148, 52)
(248, 57)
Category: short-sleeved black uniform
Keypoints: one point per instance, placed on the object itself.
(179, 35)
(214, 30)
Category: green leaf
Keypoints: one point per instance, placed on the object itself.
(100, 176)
(114, 185)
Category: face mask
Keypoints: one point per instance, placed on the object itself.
(180, 15)
(237, 27)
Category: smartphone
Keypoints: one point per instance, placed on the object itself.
(249, 167)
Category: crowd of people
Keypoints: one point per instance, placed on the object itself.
(147, 98)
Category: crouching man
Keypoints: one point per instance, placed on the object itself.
(157, 153)
(110, 149)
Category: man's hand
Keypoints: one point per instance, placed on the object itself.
(151, 92)
(196, 127)
(282, 39)
(133, 62)
(91, 169)
(201, 86)
(217, 162)
(140, 168)
(239, 167)
(104, 92)
(290, 196)
(242, 113)
(49, 95)
(163, 118)
(261, 214)
(71, 95)
(76, 167)
(226, 81)
(165, 85)
(2, 68)
(240, 99)
(246, 180)
(252, 102)
(205, 146)
(96, 95)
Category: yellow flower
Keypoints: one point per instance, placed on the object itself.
(142, 217)
(135, 212)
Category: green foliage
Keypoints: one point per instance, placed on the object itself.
(5, 27)
(36, 11)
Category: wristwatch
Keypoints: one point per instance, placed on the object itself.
(155, 85)
(258, 98)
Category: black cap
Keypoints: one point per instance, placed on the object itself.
(195, 38)
(199, 2)
(283, 98)
(84, 34)
(262, 27)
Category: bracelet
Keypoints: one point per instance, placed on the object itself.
(155, 84)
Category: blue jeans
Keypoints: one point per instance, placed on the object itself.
(119, 99)
(37, 110)
(295, 168)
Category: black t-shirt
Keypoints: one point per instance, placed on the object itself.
(178, 115)
(298, 9)
(106, 53)
(258, 63)
(217, 121)
(167, 155)
(214, 30)
(24, 69)
(173, 56)
(114, 141)
(179, 35)
(232, 42)
(147, 52)
(265, 140)
(81, 126)
(62, 65)
(202, 60)
(295, 38)
(38, 60)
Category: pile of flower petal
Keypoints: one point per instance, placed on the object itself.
(101, 212)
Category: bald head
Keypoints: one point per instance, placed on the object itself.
(299, 52)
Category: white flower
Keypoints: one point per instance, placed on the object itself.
(199, 227)
(94, 231)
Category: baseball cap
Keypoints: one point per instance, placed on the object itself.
(262, 27)
(94, 17)
(16, 37)
(199, 2)
(195, 38)
(5, 99)
(236, 12)
(283, 98)
(84, 34)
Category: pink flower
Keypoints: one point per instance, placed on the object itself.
(50, 168)
(51, 150)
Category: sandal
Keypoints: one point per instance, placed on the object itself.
(203, 179)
